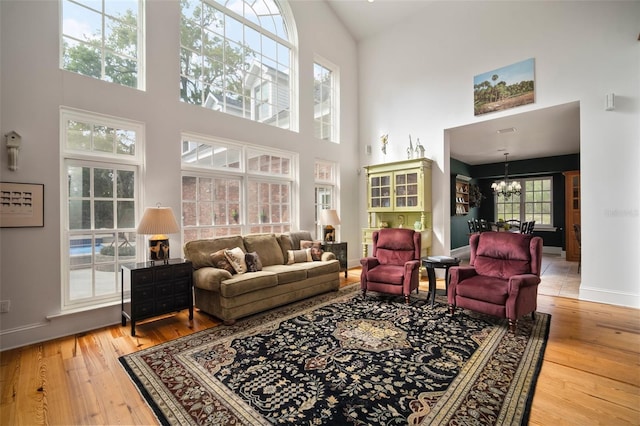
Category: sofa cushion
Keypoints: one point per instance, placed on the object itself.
(315, 246)
(284, 240)
(299, 256)
(315, 269)
(235, 256)
(253, 262)
(288, 273)
(199, 251)
(246, 283)
(267, 247)
(297, 236)
(220, 261)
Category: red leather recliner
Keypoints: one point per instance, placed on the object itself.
(394, 266)
(502, 277)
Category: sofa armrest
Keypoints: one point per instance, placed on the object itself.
(209, 278)
(327, 255)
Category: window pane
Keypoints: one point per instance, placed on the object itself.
(79, 181)
(78, 135)
(229, 49)
(126, 184)
(126, 214)
(103, 183)
(79, 214)
(103, 216)
(101, 43)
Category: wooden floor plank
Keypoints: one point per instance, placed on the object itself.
(590, 374)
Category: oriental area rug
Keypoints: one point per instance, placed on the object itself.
(341, 359)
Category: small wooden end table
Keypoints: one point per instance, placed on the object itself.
(432, 262)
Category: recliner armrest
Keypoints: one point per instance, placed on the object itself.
(461, 273)
(368, 263)
(523, 280)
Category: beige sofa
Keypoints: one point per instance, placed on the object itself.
(231, 296)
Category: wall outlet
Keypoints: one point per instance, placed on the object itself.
(5, 305)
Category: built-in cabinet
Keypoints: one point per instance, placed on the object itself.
(399, 196)
(572, 213)
(460, 204)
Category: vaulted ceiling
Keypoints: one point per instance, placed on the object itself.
(540, 133)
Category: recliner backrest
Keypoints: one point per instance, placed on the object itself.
(504, 254)
(396, 246)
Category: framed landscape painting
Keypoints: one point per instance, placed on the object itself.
(504, 88)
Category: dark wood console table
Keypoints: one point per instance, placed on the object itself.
(157, 289)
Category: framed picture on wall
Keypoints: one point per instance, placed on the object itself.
(21, 205)
(504, 88)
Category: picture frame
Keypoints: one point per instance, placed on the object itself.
(504, 88)
(21, 205)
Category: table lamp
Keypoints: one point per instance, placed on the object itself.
(157, 222)
(329, 218)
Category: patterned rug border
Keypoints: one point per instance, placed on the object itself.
(515, 406)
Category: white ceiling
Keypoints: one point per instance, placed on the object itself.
(541, 133)
(545, 132)
(364, 19)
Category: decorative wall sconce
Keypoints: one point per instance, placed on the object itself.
(14, 140)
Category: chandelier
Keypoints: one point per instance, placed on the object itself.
(504, 187)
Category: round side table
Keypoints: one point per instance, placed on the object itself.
(443, 262)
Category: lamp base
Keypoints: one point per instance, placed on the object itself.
(159, 248)
(329, 233)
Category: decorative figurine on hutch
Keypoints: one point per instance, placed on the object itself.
(410, 149)
(419, 150)
(384, 140)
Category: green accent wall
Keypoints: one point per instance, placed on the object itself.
(459, 227)
(485, 174)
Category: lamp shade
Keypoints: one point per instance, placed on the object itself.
(329, 217)
(158, 220)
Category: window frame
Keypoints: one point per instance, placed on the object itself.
(254, 75)
(334, 70)
(140, 42)
(322, 187)
(95, 160)
(246, 177)
(522, 203)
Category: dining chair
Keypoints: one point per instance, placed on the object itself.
(530, 227)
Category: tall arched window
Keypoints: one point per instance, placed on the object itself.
(237, 56)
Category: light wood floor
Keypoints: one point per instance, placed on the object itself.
(590, 374)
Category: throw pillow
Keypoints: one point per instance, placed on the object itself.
(219, 260)
(298, 256)
(235, 256)
(253, 262)
(315, 246)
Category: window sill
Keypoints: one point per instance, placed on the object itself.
(82, 309)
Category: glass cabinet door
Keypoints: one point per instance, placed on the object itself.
(407, 190)
(380, 191)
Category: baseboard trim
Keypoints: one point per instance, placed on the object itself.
(599, 295)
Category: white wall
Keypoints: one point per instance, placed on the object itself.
(417, 78)
(33, 89)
